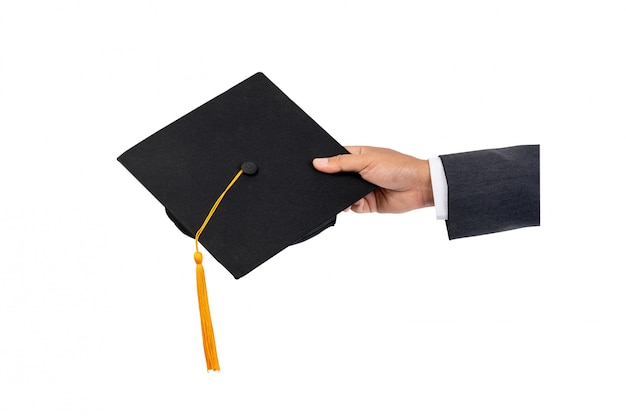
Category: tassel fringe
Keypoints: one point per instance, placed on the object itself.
(208, 337)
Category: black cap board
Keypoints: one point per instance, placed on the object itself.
(279, 200)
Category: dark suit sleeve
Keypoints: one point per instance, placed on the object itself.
(492, 190)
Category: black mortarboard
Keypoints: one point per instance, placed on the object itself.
(256, 144)
(188, 164)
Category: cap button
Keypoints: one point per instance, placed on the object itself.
(249, 168)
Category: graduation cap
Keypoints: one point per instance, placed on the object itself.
(248, 151)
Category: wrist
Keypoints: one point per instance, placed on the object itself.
(425, 186)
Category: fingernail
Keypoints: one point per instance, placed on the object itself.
(322, 161)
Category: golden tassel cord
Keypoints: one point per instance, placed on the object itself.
(208, 337)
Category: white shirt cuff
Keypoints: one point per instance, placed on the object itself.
(440, 187)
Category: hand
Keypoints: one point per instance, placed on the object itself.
(404, 181)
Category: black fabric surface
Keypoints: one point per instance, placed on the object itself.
(188, 164)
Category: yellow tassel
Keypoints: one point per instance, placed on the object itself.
(208, 338)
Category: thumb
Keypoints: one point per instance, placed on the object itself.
(341, 163)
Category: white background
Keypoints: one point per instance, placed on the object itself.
(380, 314)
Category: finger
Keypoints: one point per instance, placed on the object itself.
(355, 150)
(342, 163)
(360, 150)
(360, 207)
(356, 206)
(324, 165)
